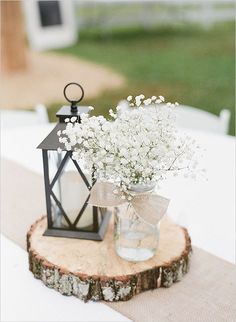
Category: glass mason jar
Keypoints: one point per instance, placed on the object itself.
(135, 239)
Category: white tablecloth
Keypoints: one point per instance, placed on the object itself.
(23, 298)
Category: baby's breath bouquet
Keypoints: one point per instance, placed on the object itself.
(139, 145)
(130, 152)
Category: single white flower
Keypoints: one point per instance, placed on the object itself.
(73, 119)
(158, 101)
(91, 108)
(129, 98)
(147, 101)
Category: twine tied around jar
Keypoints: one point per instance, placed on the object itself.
(150, 207)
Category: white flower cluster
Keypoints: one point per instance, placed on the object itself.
(139, 145)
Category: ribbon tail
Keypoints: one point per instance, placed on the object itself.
(102, 195)
(150, 208)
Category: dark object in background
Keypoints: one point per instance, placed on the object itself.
(50, 13)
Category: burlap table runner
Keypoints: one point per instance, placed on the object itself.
(206, 294)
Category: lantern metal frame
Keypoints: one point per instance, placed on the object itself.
(51, 143)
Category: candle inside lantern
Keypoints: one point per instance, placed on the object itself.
(74, 193)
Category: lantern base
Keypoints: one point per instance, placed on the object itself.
(81, 234)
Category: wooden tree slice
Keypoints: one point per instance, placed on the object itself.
(92, 270)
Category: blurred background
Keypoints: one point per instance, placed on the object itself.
(181, 49)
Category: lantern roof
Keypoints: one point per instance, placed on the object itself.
(51, 142)
(65, 111)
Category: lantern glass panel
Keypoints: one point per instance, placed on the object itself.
(72, 192)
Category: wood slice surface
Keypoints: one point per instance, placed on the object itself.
(91, 270)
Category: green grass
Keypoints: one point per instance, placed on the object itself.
(191, 65)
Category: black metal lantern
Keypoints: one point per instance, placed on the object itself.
(67, 186)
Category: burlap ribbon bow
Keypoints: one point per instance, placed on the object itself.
(150, 207)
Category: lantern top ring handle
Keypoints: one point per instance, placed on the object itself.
(73, 101)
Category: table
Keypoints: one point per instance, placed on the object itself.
(205, 206)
